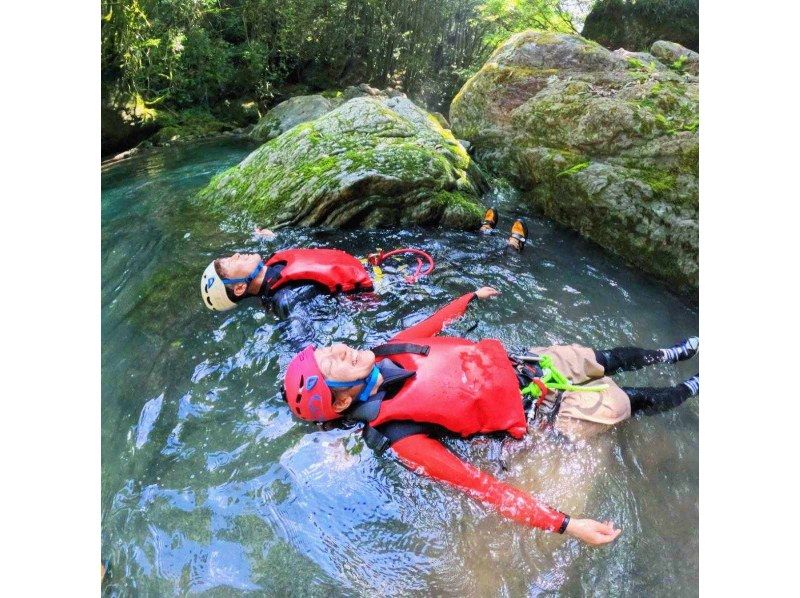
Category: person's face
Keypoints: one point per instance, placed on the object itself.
(341, 363)
(239, 265)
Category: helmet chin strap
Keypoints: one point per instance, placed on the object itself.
(369, 384)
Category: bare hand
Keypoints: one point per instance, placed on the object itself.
(264, 232)
(592, 532)
(486, 292)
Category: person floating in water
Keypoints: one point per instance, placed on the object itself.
(283, 280)
(295, 276)
(519, 230)
(419, 387)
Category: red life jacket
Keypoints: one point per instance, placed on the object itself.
(468, 388)
(334, 269)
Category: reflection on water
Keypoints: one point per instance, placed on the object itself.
(209, 484)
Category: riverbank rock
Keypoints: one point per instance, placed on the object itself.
(603, 142)
(124, 121)
(187, 126)
(371, 162)
(676, 56)
(636, 25)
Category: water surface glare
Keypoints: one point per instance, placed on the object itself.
(209, 485)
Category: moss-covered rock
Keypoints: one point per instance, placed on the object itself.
(604, 142)
(125, 120)
(371, 162)
(636, 24)
(676, 57)
(303, 108)
(187, 125)
(291, 113)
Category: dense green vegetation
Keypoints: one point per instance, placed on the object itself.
(636, 24)
(176, 54)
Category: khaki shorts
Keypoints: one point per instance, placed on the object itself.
(603, 408)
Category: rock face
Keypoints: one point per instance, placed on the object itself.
(604, 142)
(371, 162)
(636, 25)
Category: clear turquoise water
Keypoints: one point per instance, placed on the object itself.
(209, 486)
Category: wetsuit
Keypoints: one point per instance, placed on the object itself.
(287, 297)
(295, 276)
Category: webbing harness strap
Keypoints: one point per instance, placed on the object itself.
(399, 348)
(551, 379)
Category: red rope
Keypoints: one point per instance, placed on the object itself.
(378, 259)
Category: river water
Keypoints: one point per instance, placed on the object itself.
(209, 486)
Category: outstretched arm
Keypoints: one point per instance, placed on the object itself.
(434, 324)
(429, 457)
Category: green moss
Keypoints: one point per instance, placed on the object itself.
(574, 169)
(678, 65)
(671, 107)
(506, 74)
(635, 63)
(660, 182)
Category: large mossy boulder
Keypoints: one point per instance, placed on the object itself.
(603, 142)
(369, 163)
(636, 24)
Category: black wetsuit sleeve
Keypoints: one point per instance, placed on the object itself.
(285, 300)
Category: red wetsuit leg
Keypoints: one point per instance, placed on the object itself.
(429, 457)
(433, 325)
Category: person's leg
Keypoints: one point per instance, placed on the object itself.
(584, 414)
(490, 219)
(519, 235)
(622, 359)
(576, 362)
(655, 400)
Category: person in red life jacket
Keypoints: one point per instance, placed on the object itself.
(282, 281)
(419, 387)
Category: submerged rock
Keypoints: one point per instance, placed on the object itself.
(371, 162)
(605, 142)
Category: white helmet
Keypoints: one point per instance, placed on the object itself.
(213, 292)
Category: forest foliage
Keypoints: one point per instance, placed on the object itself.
(197, 53)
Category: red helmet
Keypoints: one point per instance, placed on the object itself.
(305, 389)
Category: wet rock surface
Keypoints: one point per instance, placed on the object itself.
(374, 161)
(603, 142)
